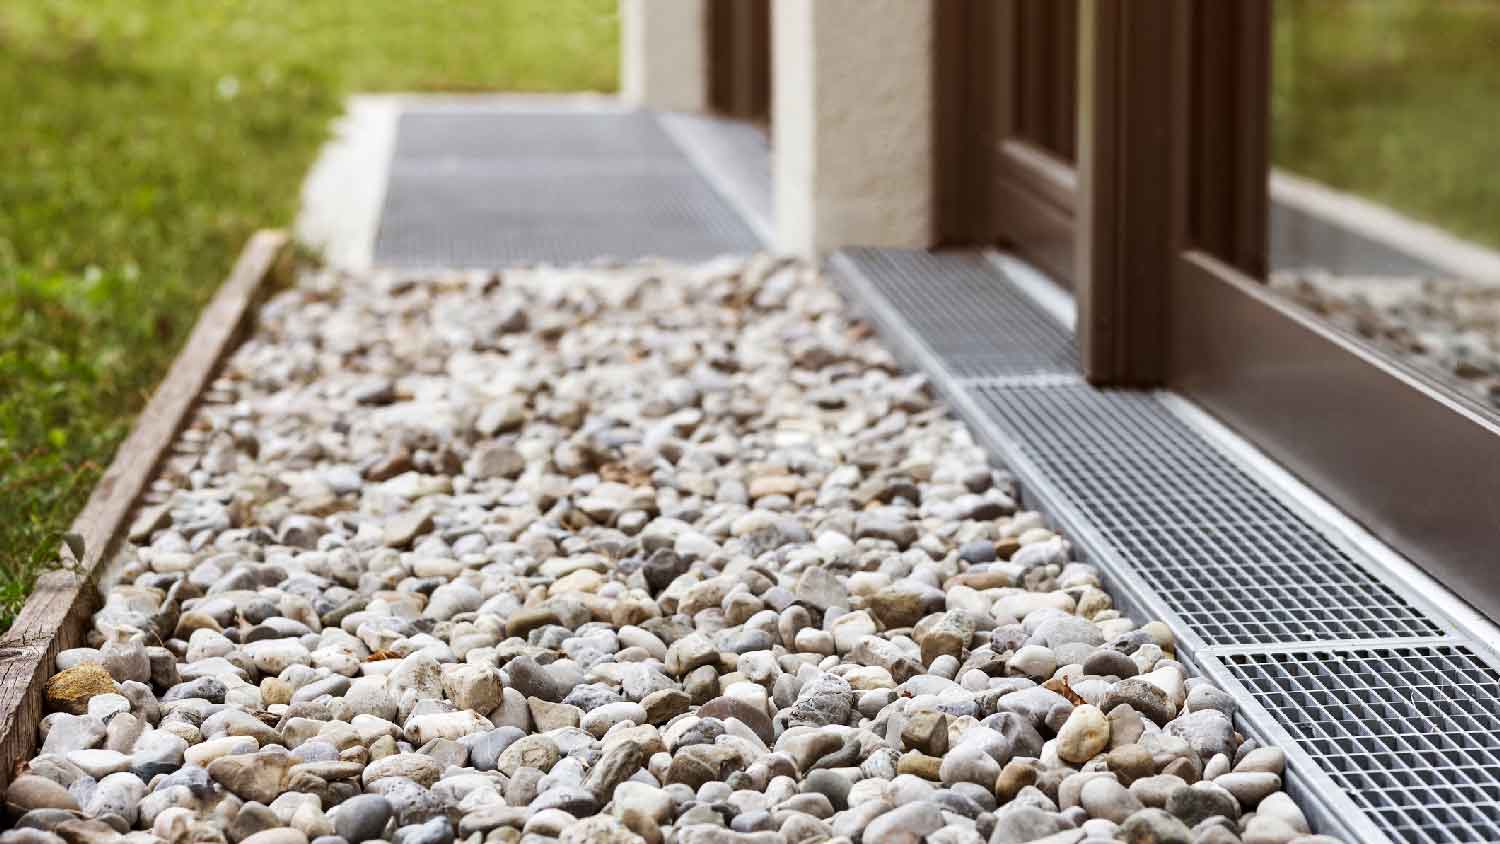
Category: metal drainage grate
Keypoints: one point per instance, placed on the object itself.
(498, 188)
(1391, 725)
(1412, 734)
(963, 309)
(1236, 565)
(735, 156)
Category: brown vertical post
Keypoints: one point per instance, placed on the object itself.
(1126, 206)
(1226, 82)
(740, 57)
(1173, 115)
(977, 105)
(953, 171)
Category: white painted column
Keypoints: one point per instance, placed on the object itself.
(854, 123)
(664, 54)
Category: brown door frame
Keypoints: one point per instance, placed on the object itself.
(1006, 122)
(1129, 215)
(1161, 232)
(1170, 290)
(1107, 213)
(1174, 106)
(739, 66)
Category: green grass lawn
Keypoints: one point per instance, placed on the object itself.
(142, 142)
(1395, 100)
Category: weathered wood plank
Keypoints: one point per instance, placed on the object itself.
(56, 615)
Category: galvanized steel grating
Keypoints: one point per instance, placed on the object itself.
(1401, 716)
(1234, 563)
(976, 324)
(1412, 734)
(499, 188)
(477, 133)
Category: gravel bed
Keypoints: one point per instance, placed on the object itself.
(612, 556)
(1447, 328)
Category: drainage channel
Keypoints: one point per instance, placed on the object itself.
(1388, 709)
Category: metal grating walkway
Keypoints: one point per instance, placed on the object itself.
(978, 328)
(1236, 565)
(1390, 713)
(499, 188)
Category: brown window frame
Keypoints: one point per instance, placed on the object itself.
(1005, 173)
(1160, 229)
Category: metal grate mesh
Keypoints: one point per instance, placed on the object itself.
(977, 324)
(501, 188)
(735, 153)
(1411, 734)
(1402, 718)
(1233, 562)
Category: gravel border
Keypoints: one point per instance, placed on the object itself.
(619, 555)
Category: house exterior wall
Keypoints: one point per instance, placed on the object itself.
(664, 54)
(853, 123)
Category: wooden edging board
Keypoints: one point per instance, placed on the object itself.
(57, 614)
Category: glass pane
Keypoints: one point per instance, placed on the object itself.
(1385, 201)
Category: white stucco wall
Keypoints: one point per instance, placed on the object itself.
(664, 54)
(853, 117)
